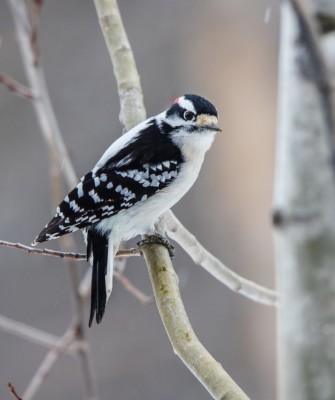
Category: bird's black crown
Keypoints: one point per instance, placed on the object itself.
(201, 105)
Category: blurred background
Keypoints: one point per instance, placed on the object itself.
(223, 50)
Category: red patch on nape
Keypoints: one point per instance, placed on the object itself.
(176, 100)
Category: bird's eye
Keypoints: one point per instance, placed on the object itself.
(189, 116)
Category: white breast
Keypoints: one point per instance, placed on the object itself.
(141, 217)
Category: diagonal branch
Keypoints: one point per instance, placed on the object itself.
(177, 325)
(43, 108)
(13, 391)
(201, 256)
(16, 87)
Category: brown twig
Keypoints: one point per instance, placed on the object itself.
(13, 391)
(123, 253)
(34, 8)
(16, 87)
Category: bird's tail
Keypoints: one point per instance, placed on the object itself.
(102, 250)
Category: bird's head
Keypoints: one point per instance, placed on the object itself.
(192, 114)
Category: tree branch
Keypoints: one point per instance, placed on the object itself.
(49, 360)
(304, 208)
(13, 391)
(207, 370)
(69, 255)
(43, 108)
(215, 267)
(16, 87)
(183, 339)
(127, 78)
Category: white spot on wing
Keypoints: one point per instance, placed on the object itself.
(80, 192)
(74, 206)
(94, 196)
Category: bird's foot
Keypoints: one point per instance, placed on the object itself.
(157, 239)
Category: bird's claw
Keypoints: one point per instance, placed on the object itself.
(157, 239)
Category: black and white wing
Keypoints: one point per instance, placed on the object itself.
(145, 165)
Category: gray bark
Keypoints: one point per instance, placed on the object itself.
(304, 208)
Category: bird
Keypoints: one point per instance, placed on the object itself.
(138, 178)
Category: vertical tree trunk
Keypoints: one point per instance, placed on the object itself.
(304, 210)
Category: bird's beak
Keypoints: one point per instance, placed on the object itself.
(209, 122)
(213, 127)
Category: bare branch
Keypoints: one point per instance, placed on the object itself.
(134, 252)
(35, 335)
(304, 207)
(16, 87)
(127, 78)
(215, 267)
(13, 391)
(48, 362)
(208, 371)
(42, 104)
(183, 339)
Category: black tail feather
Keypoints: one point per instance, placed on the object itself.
(97, 245)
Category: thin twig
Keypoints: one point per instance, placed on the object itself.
(214, 266)
(35, 7)
(85, 286)
(35, 335)
(134, 252)
(13, 391)
(132, 289)
(48, 362)
(16, 87)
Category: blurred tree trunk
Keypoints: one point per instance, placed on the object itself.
(304, 204)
